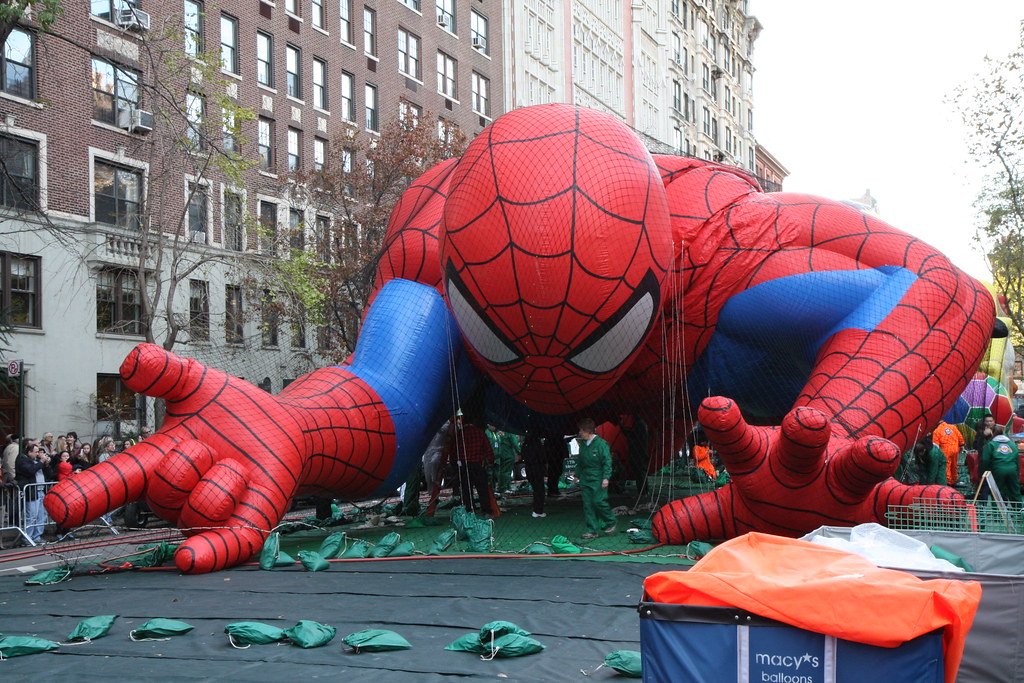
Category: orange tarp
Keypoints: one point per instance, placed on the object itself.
(825, 590)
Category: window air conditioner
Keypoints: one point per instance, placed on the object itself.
(442, 21)
(479, 43)
(131, 17)
(141, 122)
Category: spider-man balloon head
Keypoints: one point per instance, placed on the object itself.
(555, 244)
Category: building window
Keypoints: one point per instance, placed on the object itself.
(117, 193)
(445, 131)
(229, 43)
(706, 81)
(318, 13)
(323, 237)
(319, 154)
(446, 75)
(230, 130)
(707, 121)
(478, 31)
(346, 160)
(411, 4)
(292, 7)
(371, 107)
(481, 86)
(294, 150)
(17, 67)
(408, 54)
(118, 302)
(115, 93)
(409, 114)
(198, 212)
(677, 96)
(108, 9)
(198, 310)
(20, 298)
(320, 84)
(677, 140)
(19, 182)
(348, 105)
(195, 106)
(193, 21)
(345, 13)
(234, 332)
(234, 225)
(265, 59)
(269, 319)
(299, 328)
(446, 14)
(268, 228)
(369, 32)
(296, 229)
(265, 142)
(115, 402)
(293, 65)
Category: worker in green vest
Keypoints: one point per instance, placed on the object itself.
(1002, 458)
(594, 469)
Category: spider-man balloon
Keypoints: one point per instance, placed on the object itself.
(580, 275)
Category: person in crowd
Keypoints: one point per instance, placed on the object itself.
(985, 432)
(701, 452)
(433, 454)
(471, 451)
(1002, 458)
(46, 443)
(30, 468)
(536, 461)
(594, 469)
(64, 467)
(71, 443)
(10, 454)
(637, 448)
(555, 450)
(951, 441)
(109, 448)
(505, 447)
(930, 461)
(82, 458)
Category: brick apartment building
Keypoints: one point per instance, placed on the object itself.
(88, 130)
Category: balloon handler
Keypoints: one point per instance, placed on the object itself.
(561, 263)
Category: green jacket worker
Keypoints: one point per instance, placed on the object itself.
(594, 468)
(1001, 457)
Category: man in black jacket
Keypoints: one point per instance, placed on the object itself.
(29, 470)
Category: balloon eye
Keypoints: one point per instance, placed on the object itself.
(617, 339)
(479, 332)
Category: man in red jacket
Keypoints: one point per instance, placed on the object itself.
(470, 449)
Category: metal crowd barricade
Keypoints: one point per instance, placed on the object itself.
(32, 504)
(12, 513)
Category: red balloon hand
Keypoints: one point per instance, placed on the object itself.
(789, 480)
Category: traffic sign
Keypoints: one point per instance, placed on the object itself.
(14, 368)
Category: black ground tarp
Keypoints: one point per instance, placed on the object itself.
(580, 610)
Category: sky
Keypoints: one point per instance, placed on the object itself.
(852, 96)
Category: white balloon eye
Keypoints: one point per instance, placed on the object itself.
(615, 341)
(481, 334)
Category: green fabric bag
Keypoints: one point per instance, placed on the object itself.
(359, 548)
(563, 546)
(641, 523)
(443, 542)
(48, 577)
(309, 634)
(641, 536)
(496, 629)
(313, 561)
(152, 554)
(284, 560)
(242, 634)
(332, 545)
(480, 535)
(626, 662)
(386, 545)
(514, 645)
(92, 628)
(16, 646)
(698, 549)
(468, 643)
(952, 558)
(270, 552)
(159, 629)
(538, 548)
(460, 519)
(376, 640)
(403, 549)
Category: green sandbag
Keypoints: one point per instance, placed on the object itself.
(641, 536)
(563, 546)
(270, 552)
(468, 643)
(16, 646)
(698, 549)
(245, 633)
(640, 523)
(313, 561)
(403, 549)
(332, 545)
(284, 560)
(626, 662)
(48, 577)
(359, 548)
(538, 548)
(459, 520)
(376, 640)
(496, 629)
(308, 634)
(152, 554)
(386, 545)
(952, 558)
(160, 628)
(514, 645)
(443, 542)
(480, 536)
(92, 628)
